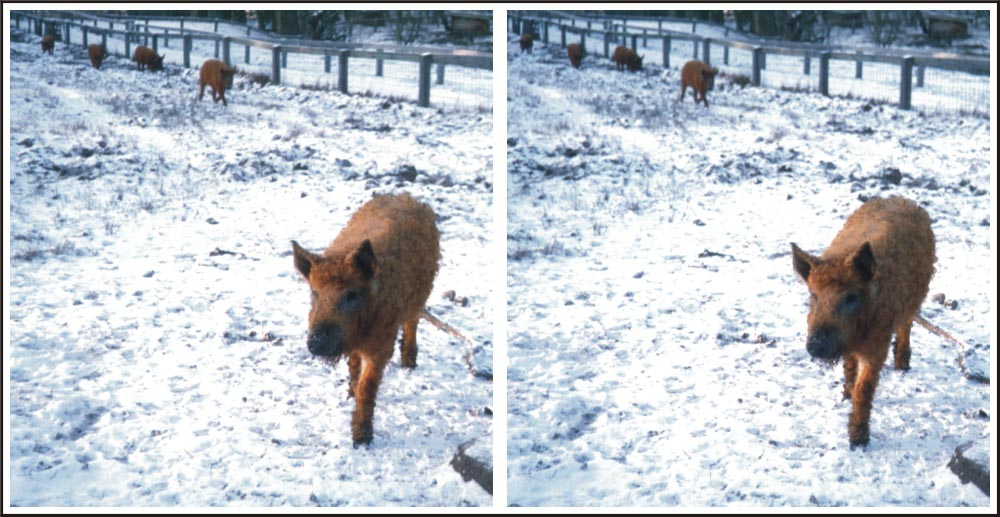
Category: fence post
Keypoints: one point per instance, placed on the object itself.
(607, 38)
(326, 62)
(276, 64)
(440, 74)
(645, 38)
(725, 54)
(806, 64)
(706, 50)
(666, 52)
(635, 38)
(824, 73)
(562, 32)
(545, 32)
(284, 58)
(166, 38)
(66, 33)
(104, 39)
(246, 55)
(758, 53)
(857, 66)
(188, 44)
(216, 29)
(128, 35)
(694, 27)
(583, 40)
(906, 83)
(342, 70)
(694, 48)
(182, 23)
(225, 50)
(216, 49)
(424, 94)
(920, 76)
(378, 64)
(156, 42)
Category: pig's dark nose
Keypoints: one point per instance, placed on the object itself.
(824, 343)
(326, 341)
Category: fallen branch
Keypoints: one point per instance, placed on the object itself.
(446, 327)
(963, 347)
(484, 373)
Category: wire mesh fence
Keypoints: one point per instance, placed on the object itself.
(395, 81)
(952, 90)
(869, 80)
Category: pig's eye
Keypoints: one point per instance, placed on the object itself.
(851, 303)
(350, 302)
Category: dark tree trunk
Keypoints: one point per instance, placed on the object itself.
(287, 22)
(767, 23)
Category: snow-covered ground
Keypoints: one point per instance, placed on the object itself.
(157, 325)
(656, 329)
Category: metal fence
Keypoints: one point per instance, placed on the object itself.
(911, 80)
(458, 78)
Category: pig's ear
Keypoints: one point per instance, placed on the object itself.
(863, 262)
(304, 260)
(363, 259)
(802, 262)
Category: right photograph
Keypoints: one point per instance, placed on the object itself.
(749, 258)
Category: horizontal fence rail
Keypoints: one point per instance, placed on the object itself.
(379, 69)
(909, 79)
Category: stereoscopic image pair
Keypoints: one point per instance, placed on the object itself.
(747, 258)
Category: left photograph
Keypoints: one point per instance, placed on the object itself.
(249, 258)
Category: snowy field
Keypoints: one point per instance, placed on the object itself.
(656, 329)
(157, 325)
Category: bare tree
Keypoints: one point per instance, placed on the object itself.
(885, 27)
(406, 25)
